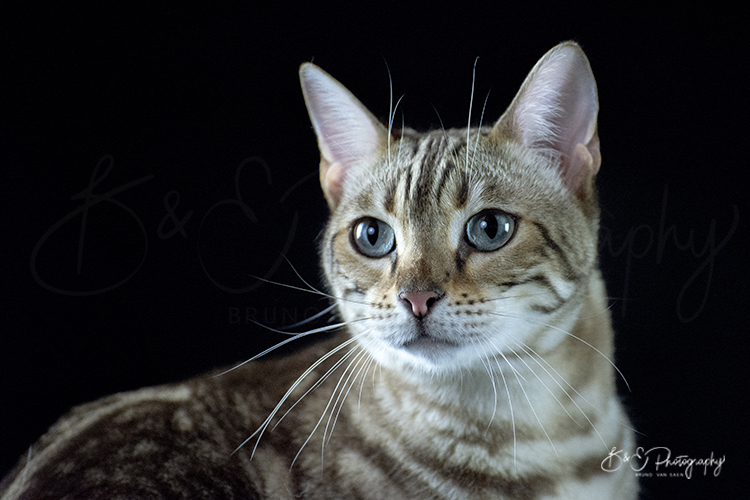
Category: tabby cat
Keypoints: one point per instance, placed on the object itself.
(474, 350)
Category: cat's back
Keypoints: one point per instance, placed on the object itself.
(172, 441)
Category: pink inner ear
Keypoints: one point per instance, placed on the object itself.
(556, 110)
(333, 182)
(349, 136)
(579, 167)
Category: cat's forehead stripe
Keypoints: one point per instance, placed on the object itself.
(462, 195)
(426, 169)
(389, 198)
(449, 167)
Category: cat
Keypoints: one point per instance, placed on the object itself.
(473, 353)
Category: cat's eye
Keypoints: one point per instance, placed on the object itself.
(489, 230)
(373, 237)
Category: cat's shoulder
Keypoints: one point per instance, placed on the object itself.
(191, 427)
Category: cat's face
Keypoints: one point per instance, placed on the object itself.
(445, 249)
(442, 270)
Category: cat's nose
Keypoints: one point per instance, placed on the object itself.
(419, 303)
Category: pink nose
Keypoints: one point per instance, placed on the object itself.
(419, 302)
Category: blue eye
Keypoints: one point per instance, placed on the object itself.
(489, 230)
(373, 237)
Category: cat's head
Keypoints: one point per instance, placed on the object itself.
(447, 248)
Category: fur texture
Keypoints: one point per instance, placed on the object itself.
(474, 353)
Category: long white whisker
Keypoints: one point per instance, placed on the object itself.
(364, 376)
(296, 336)
(510, 407)
(311, 318)
(300, 276)
(485, 362)
(541, 323)
(362, 356)
(528, 349)
(342, 383)
(403, 126)
(315, 292)
(325, 410)
(590, 423)
(479, 130)
(445, 135)
(525, 394)
(259, 432)
(524, 348)
(320, 381)
(390, 111)
(293, 287)
(442, 127)
(471, 104)
(390, 122)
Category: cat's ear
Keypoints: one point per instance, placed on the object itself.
(349, 136)
(555, 111)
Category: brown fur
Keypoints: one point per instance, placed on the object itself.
(472, 360)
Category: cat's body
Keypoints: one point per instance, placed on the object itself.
(475, 353)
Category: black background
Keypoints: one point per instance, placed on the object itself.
(176, 100)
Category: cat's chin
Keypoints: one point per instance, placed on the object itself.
(428, 346)
(426, 353)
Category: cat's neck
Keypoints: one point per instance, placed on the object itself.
(501, 390)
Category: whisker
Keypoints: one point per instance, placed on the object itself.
(390, 109)
(512, 413)
(541, 323)
(259, 432)
(293, 287)
(313, 291)
(300, 276)
(445, 135)
(471, 104)
(325, 410)
(363, 355)
(362, 384)
(479, 130)
(484, 361)
(311, 318)
(403, 126)
(525, 348)
(442, 127)
(606, 447)
(390, 127)
(525, 394)
(296, 336)
(319, 382)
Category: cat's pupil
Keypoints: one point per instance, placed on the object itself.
(372, 234)
(489, 225)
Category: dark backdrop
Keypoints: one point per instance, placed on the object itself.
(155, 160)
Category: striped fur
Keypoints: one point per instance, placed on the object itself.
(460, 372)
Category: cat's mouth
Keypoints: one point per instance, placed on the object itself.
(420, 340)
(426, 342)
